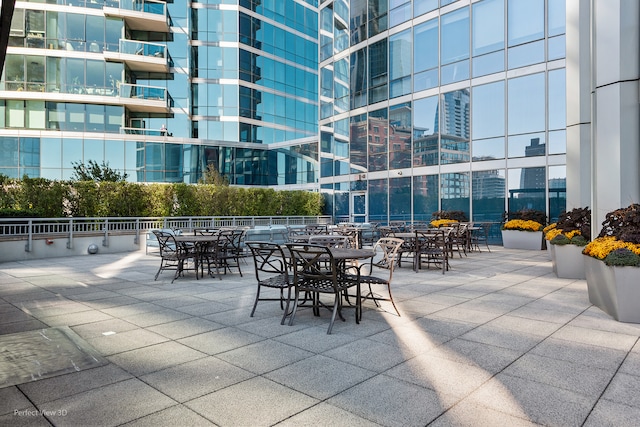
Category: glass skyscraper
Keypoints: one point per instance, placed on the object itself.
(442, 105)
(393, 109)
(160, 90)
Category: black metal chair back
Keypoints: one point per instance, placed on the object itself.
(315, 271)
(272, 271)
(386, 259)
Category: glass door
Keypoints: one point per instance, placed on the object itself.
(359, 212)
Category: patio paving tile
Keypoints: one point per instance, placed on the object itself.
(497, 340)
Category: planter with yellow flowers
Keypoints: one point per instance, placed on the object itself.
(522, 234)
(612, 265)
(566, 240)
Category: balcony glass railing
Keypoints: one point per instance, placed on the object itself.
(150, 93)
(132, 47)
(146, 6)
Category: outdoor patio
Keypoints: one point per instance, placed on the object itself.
(497, 340)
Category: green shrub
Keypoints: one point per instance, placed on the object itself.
(623, 258)
(579, 240)
(561, 240)
(39, 197)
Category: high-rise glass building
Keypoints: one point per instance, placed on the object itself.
(393, 109)
(442, 105)
(160, 90)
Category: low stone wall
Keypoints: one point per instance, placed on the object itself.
(14, 250)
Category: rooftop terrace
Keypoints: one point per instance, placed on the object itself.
(498, 340)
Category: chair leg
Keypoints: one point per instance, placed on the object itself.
(295, 308)
(336, 310)
(255, 304)
(286, 308)
(392, 301)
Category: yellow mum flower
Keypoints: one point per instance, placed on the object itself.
(602, 246)
(442, 222)
(522, 225)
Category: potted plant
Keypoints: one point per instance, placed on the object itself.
(548, 236)
(612, 262)
(523, 229)
(566, 240)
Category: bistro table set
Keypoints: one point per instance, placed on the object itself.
(317, 260)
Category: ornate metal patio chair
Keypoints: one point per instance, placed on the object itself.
(385, 260)
(272, 271)
(316, 271)
(173, 256)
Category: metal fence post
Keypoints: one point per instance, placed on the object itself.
(27, 246)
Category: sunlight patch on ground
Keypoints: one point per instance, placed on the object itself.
(440, 376)
(113, 269)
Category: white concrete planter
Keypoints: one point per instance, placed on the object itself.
(516, 239)
(615, 290)
(568, 261)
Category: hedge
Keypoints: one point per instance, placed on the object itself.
(39, 197)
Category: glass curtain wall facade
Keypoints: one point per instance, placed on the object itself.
(442, 105)
(160, 90)
(393, 109)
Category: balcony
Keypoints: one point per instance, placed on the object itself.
(140, 15)
(148, 99)
(141, 56)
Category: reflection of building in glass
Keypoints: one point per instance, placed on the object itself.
(454, 185)
(488, 185)
(533, 180)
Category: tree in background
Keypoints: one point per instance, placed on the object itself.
(212, 176)
(96, 172)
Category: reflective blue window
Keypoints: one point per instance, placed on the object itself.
(557, 99)
(488, 110)
(425, 55)
(400, 48)
(421, 7)
(400, 136)
(425, 197)
(358, 142)
(93, 150)
(455, 127)
(556, 48)
(399, 12)
(454, 46)
(557, 191)
(455, 192)
(358, 21)
(525, 21)
(378, 17)
(454, 43)
(557, 17)
(400, 199)
(9, 154)
(526, 104)
(488, 196)
(378, 72)
(378, 200)
(378, 140)
(488, 37)
(51, 149)
(527, 189)
(358, 78)
(425, 132)
(527, 145)
(526, 54)
(558, 142)
(488, 149)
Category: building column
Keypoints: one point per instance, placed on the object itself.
(615, 143)
(578, 81)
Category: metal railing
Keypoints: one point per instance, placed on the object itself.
(29, 229)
